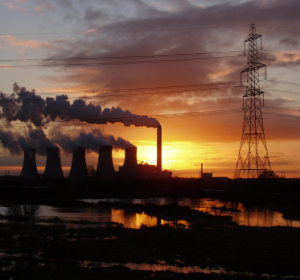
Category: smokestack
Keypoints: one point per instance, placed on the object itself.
(29, 170)
(159, 148)
(78, 168)
(105, 167)
(53, 165)
(130, 157)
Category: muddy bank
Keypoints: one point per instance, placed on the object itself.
(53, 248)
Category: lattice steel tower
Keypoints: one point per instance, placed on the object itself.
(253, 158)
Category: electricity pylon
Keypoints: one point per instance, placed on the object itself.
(253, 158)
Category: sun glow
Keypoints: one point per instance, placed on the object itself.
(175, 155)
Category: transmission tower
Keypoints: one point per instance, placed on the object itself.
(253, 158)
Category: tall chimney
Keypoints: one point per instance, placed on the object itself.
(105, 168)
(201, 170)
(78, 169)
(130, 157)
(53, 164)
(29, 170)
(159, 148)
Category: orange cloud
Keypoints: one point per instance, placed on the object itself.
(13, 6)
(5, 66)
(287, 56)
(24, 44)
(91, 30)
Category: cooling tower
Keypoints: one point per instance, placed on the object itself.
(29, 170)
(159, 148)
(105, 168)
(130, 166)
(130, 157)
(78, 169)
(53, 164)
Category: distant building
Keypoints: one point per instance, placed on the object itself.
(205, 175)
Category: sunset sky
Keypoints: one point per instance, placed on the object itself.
(178, 61)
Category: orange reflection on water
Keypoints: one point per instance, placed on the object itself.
(253, 217)
(175, 224)
(132, 220)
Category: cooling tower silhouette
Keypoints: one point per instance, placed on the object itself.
(105, 168)
(130, 157)
(29, 170)
(130, 166)
(53, 164)
(78, 170)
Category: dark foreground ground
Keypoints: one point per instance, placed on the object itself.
(33, 249)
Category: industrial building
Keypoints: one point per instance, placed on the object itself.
(105, 169)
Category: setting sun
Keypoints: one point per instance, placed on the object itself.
(177, 155)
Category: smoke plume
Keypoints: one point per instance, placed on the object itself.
(90, 141)
(10, 141)
(35, 138)
(26, 106)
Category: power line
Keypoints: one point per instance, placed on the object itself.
(22, 60)
(117, 57)
(287, 91)
(109, 60)
(105, 30)
(118, 62)
(158, 88)
(284, 108)
(91, 121)
(284, 82)
(280, 114)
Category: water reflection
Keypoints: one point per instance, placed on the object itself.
(22, 212)
(242, 215)
(154, 267)
(175, 224)
(163, 266)
(133, 220)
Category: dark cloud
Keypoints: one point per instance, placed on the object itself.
(188, 29)
(148, 30)
(91, 14)
(289, 42)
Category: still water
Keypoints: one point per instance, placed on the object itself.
(162, 266)
(242, 215)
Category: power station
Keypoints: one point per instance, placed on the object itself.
(105, 167)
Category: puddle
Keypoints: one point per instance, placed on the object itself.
(162, 266)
